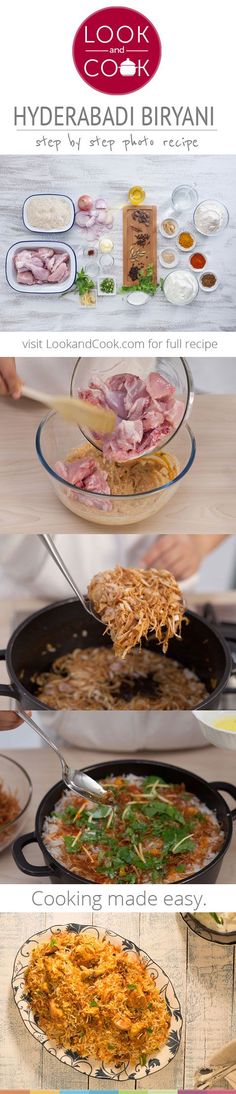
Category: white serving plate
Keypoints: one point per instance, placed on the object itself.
(45, 289)
(48, 231)
(88, 1065)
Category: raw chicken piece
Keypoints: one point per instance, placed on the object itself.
(152, 419)
(60, 256)
(21, 260)
(125, 440)
(86, 475)
(35, 261)
(157, 386)
(45, 252)
(25, 277)
(59, 274)
(147, 412)
(175, 413)
(40, 274)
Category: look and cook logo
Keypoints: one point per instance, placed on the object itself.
(116, 50)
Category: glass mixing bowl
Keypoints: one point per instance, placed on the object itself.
(15, 780)
(55, 439)
(174, 369)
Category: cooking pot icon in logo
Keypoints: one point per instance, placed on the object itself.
(127, 68)
(116, 50)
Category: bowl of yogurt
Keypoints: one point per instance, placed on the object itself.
(218, 727)
(217, 927)
(210, 217)
(180, 287)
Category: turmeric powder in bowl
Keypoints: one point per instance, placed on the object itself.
(186, 241)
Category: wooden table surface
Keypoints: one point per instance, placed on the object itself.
(203, 976)
(213, 176)
(42, 766)
(205, 497)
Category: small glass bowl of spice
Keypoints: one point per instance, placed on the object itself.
(197, 261)
(169, 227)
(208, 281)
(169, 258)
(91, 252)
(186, 240)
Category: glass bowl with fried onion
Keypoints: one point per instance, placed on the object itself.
(15, 795)
(155, 478)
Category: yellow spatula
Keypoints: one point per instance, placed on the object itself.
(74, 410)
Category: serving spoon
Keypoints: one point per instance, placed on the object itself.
(86, 603)
(77, 411)
(75, 780)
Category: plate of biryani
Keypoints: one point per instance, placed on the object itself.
(97, 1002)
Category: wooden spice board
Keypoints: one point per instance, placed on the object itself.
(139, 221)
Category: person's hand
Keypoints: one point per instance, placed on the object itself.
(181, 555)
(10, 383)
(10, 720)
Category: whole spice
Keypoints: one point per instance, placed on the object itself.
(185, 240)
(197, 260)
(142, 237)
(141, 216)
(134, 272)
(208, 280)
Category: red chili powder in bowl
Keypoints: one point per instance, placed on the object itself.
(197, 260)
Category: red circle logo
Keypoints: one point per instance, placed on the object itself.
(116, 50)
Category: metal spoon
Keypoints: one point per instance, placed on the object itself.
(77, 781)
(86, 603)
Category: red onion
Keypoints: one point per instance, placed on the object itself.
(85, 202)
(100, 203)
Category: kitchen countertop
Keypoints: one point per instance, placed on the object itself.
(206, 497)
(210, 763)
(203, 976)
(213, 176)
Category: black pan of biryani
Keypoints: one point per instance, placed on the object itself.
(159, 824)
(60, 658)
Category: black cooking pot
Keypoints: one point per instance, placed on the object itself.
(59, 628)
(206, 792)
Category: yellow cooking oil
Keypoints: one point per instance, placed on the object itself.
(136, 195)
(226, 722)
